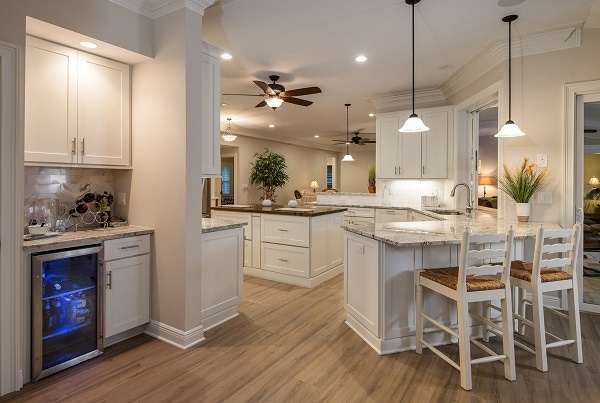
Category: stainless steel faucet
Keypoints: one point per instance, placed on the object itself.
(469, 206)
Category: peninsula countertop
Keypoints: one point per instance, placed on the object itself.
(303, 211)
(446, 231)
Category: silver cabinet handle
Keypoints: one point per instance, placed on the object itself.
(423, 168)
(83, 146)
(282, 230)
(283, 260)
(73, 145)
(395, 170)
(130, 246)
(109, 282)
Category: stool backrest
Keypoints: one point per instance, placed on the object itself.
(485, 255)
(556, 248)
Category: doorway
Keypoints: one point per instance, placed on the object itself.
(487, 153)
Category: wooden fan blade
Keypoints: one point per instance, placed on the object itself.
(248, 95)
(297, 101)
(263, 103)
(358, 130)
(265, 87)
(301, 91)
(364, 141)
(341, 141)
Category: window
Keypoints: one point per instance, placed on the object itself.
(329, 176)
(226, 180)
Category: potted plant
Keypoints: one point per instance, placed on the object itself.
(521, 183)
(268, 172)
(372, 179)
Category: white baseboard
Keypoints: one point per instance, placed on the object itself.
(175, 337)
(295, 280)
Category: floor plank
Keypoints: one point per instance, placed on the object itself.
(291, 344)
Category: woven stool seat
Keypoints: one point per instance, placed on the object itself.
(448, 277)
(524, 271)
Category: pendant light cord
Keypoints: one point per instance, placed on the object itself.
(347, 129)
(509, 69)
(413, 58)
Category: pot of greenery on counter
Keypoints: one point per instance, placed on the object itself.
(521, 183)
(268, 172)
(371, 186)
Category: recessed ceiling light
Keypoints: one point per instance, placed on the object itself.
(371, 114)
(226, 56)
(89, 45)
(316, 136)
(446, 67)
(224, 104)
(361, 58)
(509, 3)
(271, 126)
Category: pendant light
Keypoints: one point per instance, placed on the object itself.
(347, 157)
(510, 129)
(413, 124)
(228, 135)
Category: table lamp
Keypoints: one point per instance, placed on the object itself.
(485, 180)
(314, 185)
(594, 182)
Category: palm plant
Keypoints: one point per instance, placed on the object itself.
(522, 182)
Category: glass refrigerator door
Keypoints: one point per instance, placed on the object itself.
(66, 299)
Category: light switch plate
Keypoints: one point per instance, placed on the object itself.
(122, 198)
(542, 160)
(545, 197)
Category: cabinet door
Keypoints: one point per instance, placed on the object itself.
(410, 155)
(103, 117)
(127, 294)
(387, 146)
(334, 242)
(211, 109)
(50, 102)
(435, 145)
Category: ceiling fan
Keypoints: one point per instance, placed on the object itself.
(356, 139)
(276, 94)
(590, 130)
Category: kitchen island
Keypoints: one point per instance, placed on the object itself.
(300, 246)
(382, 260)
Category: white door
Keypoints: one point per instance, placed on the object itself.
(588, 166)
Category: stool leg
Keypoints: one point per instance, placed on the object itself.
(539, 329)
(574, 325)
(508, 343)
(522, 309)
(419, 320)
(464, 345)
(486, 315)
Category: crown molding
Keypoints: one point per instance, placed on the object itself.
(404, 100)
(155, 9)
(261, 135)
(496, 53)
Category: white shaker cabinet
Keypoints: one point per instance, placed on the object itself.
(414, 155)
(211, 110)
(77, 107)
(127, 284)
(391, 215)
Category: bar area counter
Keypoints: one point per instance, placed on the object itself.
(382, 260)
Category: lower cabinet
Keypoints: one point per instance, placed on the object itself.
(391, 215)
(127, 271)
(221, 276)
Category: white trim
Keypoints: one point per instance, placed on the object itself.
(175, 337)
(404, 101)
(496, 53)
(155, 9)
(11, 204)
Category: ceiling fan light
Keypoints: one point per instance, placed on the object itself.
(510, 129)
(413, 124)
(274, 102)
(347, 157)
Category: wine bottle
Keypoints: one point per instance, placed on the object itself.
(47, 322)
(79, 209)
(86, 198)
(59, 316)
(52, 287)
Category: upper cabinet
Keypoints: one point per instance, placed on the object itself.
(77, 107)
(414, 155)
(211, 110)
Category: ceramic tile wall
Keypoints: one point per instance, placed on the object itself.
(65, 184)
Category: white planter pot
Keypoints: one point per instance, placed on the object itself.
(523, 211)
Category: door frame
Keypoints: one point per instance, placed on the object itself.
(573, 168)
(11, 231)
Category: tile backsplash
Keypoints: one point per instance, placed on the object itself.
(65, 184)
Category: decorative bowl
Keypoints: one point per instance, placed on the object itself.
(38, 229)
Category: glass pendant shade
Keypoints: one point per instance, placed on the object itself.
(510, 129)
(347, 157)
(413, 124)
(274, 102)
(228, 135)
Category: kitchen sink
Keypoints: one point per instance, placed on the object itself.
(447, 212)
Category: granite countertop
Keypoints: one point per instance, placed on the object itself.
(84, 237)
(303, 211)
(214, 224)
(443, 232)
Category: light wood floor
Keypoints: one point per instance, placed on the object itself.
(291, 344)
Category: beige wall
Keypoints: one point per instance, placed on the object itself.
(538, 108)
(355, 174)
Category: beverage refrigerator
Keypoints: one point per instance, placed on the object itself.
(67, 301)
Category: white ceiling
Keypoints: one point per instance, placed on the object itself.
(314, 43)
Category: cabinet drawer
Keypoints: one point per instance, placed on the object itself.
(359, 212)
(359, 220)
(384, 216)
(285, 259)
(238, 216)
(286, 230)
(125, 247)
